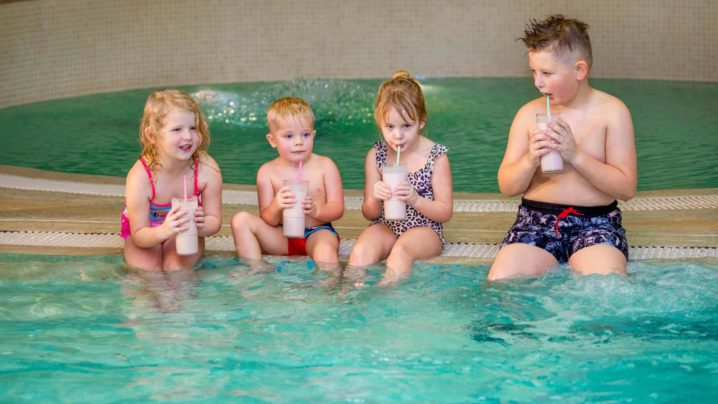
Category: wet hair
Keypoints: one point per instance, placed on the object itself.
(288, 107)
(403, 93)
(159, 104)
(560, 35)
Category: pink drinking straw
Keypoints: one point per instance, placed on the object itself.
(299, 172)
(548, 108)
(185, 188)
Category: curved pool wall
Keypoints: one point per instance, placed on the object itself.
(56, 49)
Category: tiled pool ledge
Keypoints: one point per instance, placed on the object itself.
(225, 244)
(234, 197)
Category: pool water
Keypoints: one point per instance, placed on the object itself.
(77, 329)
(675, 125)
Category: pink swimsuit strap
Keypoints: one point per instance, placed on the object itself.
(152, 183)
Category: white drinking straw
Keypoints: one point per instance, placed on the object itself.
(398, 155)
(548, 108)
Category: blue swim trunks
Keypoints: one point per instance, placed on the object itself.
(562, 230)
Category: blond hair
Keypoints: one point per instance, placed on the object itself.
(159, 104)
(288, 107)
(403, 93)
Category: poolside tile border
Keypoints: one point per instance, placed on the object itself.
(226, 244)
(234, 197)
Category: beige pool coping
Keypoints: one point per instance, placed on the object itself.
(43, 212)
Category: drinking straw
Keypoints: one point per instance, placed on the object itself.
(548, 108)
(185, 188)
(299, 172)
(398, 155)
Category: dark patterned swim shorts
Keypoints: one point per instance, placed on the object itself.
(562, 230)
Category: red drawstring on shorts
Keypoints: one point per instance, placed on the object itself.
(564, 214)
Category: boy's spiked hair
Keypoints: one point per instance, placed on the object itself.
(559, 34)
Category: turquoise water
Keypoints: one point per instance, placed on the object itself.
(675, 124)
(85, 330)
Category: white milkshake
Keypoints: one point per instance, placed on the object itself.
(551, 162)
(293, 218)
(394, 209)
(187, 240)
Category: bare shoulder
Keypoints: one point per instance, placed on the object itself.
(608, 104)
(137, 173)
(137, 183)
(533, 107)
(325, 162)
(267, 170)
(208, 162)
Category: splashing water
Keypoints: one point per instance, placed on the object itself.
(333, 101)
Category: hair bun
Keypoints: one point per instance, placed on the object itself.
(401, 74)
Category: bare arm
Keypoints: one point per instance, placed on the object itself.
(269, 208)
(333, 209)
(618, 176)
(442, 207)
(520, 161)
(137, 198)
(371, 207)
(211, 197)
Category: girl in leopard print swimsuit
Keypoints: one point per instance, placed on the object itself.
(400, 113)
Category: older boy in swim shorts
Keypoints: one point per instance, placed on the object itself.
(570, 216)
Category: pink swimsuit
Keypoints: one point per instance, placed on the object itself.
(158, 211)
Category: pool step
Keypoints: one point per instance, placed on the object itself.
(225, 244)
(234, 197)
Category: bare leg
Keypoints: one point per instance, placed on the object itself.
(143, 258)
(519, 261)
(414, 244)
(601, 259)
(172, 261)
(253, 236)
(323, 247)
(374, 244)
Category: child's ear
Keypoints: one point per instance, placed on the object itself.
(148, 135)
(581, 70)
(271, 141)
(421, 124)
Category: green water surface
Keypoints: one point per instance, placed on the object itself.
(676, 128)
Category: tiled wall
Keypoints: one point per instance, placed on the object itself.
(54, 49)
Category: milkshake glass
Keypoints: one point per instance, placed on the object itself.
(551, 162)
(186, 240)
(394, 209)
(293, 217)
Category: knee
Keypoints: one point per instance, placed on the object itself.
(241, 221)
(402, 252)
(326, 253)
(360, 255)
(497, 273)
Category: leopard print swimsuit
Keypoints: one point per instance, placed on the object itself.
(421, 181)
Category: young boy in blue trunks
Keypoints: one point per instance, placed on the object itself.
(569, 216)
(291, 132)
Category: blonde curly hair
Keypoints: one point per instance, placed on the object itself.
(158, 106)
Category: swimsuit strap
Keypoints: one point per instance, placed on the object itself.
(437, 150)
(196, 181)
(149, 175)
